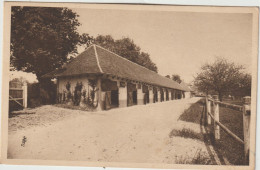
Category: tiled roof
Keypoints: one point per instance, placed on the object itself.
(98, 60)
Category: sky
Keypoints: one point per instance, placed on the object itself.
(178, 42)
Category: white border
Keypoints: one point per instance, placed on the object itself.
(173, 2)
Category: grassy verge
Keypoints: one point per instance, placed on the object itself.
(194, 115)
(227, 146)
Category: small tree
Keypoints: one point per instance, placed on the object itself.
(69, 95)
(220, 77)
(77, 93)
(93, 84)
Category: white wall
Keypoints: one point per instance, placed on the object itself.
(187, 95)
(73, 81)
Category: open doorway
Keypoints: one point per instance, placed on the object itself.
(167, 95)
(114, 98)
(155, 95)
(131, 94)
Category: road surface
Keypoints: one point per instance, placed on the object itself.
(137, 134)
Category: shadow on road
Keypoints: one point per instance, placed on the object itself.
(193, 113)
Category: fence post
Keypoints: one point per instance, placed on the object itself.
(206, 111)
(246, 126)
(209, 111)
(25, 95)
(216, 116)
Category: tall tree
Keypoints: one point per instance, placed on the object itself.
(126, 48)
(42, 38)
(221, 77)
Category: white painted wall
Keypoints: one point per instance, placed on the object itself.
(187, 95)
(150, 96)
(73, 81)
(170, 95)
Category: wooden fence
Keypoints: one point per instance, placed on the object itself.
(214, 115)
(18, 93)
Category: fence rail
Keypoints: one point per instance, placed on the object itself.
(217, 125)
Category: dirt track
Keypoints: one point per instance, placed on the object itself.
(139, 134)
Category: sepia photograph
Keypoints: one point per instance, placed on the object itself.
(128, 85)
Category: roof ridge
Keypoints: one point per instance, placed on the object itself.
(79, 55)
(125, 58)
(133, 62)
(97, 58)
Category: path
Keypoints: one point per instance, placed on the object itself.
(139, 134)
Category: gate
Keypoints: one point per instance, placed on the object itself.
(17, 96)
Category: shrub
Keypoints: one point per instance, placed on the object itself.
(77, 93)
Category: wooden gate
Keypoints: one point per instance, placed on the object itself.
(17, 95)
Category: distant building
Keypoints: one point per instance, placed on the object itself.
(119, 82)
(189, 92)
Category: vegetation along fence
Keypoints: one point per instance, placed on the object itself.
(17, 95)
(213, 114)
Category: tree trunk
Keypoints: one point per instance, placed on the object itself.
(220, 95)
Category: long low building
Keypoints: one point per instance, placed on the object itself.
(110, 80)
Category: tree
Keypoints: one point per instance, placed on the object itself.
(42, 38)
(168, 76)
(126, 48)
(220, 77)
(243, 87)
(176, 78)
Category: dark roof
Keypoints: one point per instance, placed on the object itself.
(98, 60)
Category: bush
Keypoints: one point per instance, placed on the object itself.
(38, 95)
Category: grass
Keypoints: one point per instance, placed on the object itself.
(227, 146)
(186, 133)
(236, 102)
(200, 158)
(91, 109)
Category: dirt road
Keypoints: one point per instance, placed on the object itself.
(139, 134)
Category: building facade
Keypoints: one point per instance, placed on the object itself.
(105, 80)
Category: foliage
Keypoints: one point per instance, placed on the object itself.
(43, 37)
(38, 96)
(243, 87)
(126, 48)
(168, 76)
(19, 81)
(77, 93)
(69, 95)
(68, 86)
(175, 77)
(221, 77)
(93, 84)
